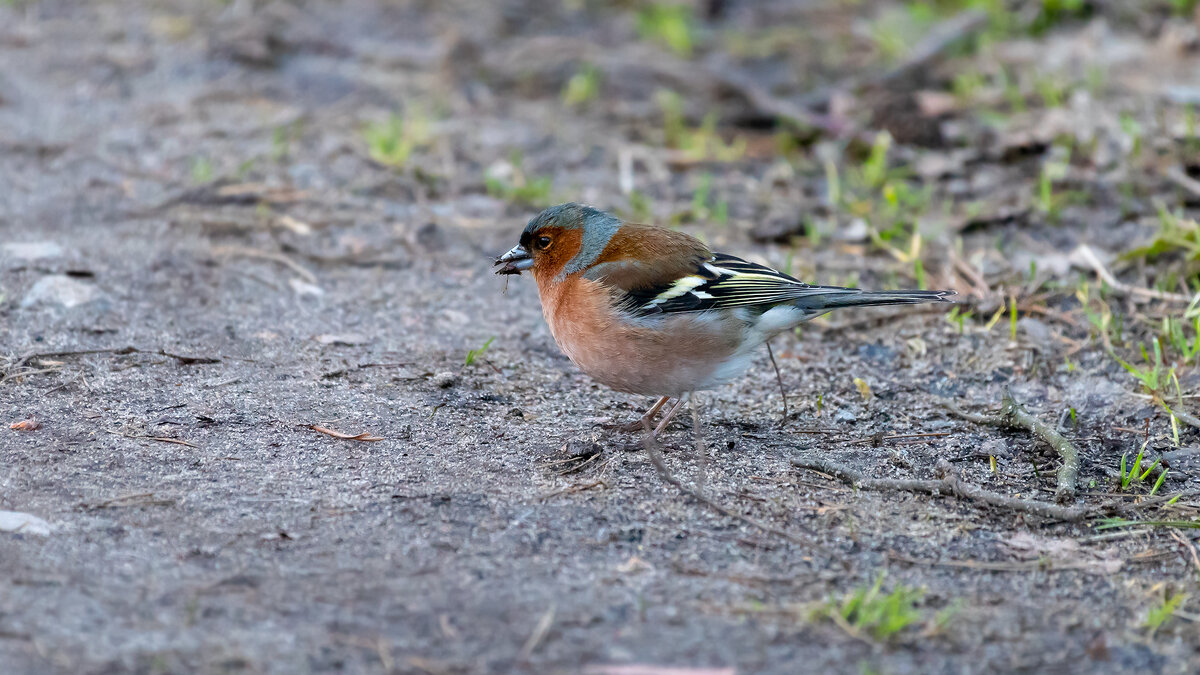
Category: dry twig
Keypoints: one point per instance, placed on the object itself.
(1187, 546)
(182, 358)
(160, 439)
(1086, 255)
(878, 439)
(1014, 416)
(275, 256)
(538, 634)
(1179, 177)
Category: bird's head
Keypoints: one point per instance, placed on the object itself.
(559, 241)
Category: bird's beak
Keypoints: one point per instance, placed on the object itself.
(515, 261)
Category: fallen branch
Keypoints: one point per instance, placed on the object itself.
(991, 566)
(765, 103)
(948, 483)
(1014, 416)
(545, 53)
(1187, 546)
(1179, 177)
(1185, 417)
(939, 38)
(1164, 499)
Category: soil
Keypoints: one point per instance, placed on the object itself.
(192, 180)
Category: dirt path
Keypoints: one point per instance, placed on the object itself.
(218, 187)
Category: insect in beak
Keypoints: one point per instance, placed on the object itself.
(515, 261)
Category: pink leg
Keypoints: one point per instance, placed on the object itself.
(668, 417)
(644, 421)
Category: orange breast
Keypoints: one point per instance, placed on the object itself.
(658, 356)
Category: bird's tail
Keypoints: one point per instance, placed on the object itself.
(853, 297)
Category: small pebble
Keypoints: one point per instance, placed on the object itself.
(445, 379)
(60, 290)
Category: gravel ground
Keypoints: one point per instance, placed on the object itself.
(200, 262)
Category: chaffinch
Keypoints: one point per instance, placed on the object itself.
(647, 310)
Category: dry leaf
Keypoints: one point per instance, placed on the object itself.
(25, 425)
(24, 523)
(364, 436)
(634, 565)
(863, 388)
(298, 226)
(1062, 553)
(936, 103)
(342, 339)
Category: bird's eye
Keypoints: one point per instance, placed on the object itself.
(543, 243)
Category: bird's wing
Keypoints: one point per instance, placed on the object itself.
(725, 281)
(644, 256)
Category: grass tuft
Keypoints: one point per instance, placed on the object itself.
(671, 25)
(391, 142)
(869, 612)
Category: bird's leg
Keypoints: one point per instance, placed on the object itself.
(668, 417)
(644, 421)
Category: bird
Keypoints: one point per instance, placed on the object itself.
(647, 310)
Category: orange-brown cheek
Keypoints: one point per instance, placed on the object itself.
(547, 264)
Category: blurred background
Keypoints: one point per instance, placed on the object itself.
(223, 221)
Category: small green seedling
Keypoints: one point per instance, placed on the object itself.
(583, 87)
(641, 206)
(520, 187)
(701, 143)
(202, 169)
(1012, 319)
(1159, 615)
(1051, 90)
(919, 273)
(473, 354)
(671, 25)
(959, 318)
(1154, 376)
(1173, 331)
(1134, 130)
(1135, 473)
(282, 138)
(705, 206)
(874, 170)
(1046, 200)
